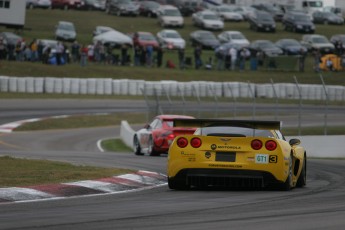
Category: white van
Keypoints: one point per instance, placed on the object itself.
(169, 16)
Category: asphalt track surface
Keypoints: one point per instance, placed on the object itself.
(320, 205)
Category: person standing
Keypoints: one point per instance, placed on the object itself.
(301, 59)
(181, 58)
(75, 49)
(159, 56)
(124, 55)
(2, 49)
(34, 50)
(137, 55)
(197, 56)
(84, 55)
(317, 60)
(59, 53)
(149, 55)
(220, 55)
(233, 55)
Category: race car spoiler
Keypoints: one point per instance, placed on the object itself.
(253, 124)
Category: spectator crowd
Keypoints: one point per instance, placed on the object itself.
(59, 54)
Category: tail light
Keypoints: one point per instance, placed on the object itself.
(256, 144)
(171, 136)
(271, 145)
(182, 142)
(196, 142)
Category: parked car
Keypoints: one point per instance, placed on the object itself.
(298, 22)
(336, 10)
(208, 20)
(148, 8)
(233, 37)
(266, 46)
(205, 39)
(48, 43)
(276, 12)
(226, 13)
(121, 7)
(261, 21)
(94, 4)
(142, 38)
(101, 29)
(187, 8)
(291, 46)
(169, 16)
(45, 4)
(243, 10)
(65, 31)
(170, 39)
(327, 18)
(10, 38)
(317, 42)
(155, 138)
(67, 4)
(113, 38)
(338, 38)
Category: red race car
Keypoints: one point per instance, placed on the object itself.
(155, 138)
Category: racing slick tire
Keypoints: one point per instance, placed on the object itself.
(137, 148)
(151, 150)
(302, 179)
(177, 184)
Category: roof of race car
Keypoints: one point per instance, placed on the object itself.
(253, 124)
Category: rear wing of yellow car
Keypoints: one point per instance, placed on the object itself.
(253, 124)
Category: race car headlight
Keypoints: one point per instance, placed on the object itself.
(256, 144)
(196, 142)
(182, 142)
(271, 145)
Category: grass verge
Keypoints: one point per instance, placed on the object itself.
(115, 145)
(24, 172)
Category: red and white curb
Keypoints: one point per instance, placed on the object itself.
(117, 184)
(9, 127)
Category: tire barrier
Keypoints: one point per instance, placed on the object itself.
(107, 86)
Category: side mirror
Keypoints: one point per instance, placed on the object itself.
(147, 126)
(294, 142)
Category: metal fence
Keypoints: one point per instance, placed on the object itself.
(245, 100)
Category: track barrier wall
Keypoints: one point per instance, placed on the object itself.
(107, 86)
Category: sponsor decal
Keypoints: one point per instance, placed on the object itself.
(251, 159)
(214, 147)
(208, 155)
(184, 154)
(228, 147)
(224, 166)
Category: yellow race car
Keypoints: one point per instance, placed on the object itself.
(235, 153)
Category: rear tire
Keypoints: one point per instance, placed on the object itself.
(137, 148)
(151, 150)
(302, 179)
(177, 184)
